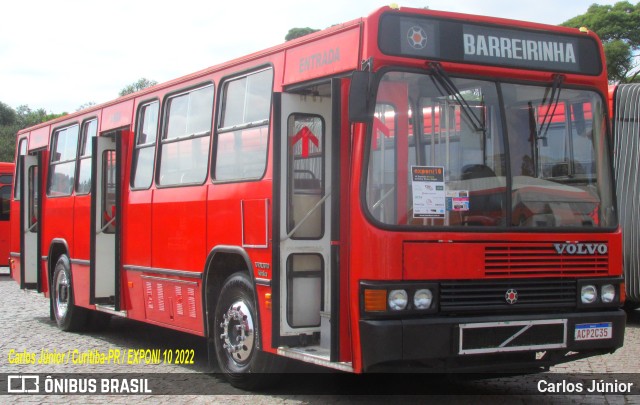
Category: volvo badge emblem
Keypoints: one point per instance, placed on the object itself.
(511, 296)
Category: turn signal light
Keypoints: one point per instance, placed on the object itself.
(375, 300)
(267, 301)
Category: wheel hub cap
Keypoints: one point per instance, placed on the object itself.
(62, 294)
(238, 334)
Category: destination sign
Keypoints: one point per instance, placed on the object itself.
(465, 42)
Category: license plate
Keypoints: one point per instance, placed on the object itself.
(594, 331)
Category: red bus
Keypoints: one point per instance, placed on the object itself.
(625, 99)
(410, 189)
(6, 185)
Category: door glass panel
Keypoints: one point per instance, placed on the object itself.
(33, 199)
(109, 191)
(22, 150)
(304, 284)
(306, 174)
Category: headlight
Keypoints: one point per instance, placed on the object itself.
(397, 300)
(588, 294)
(608, 293)
(422, 299)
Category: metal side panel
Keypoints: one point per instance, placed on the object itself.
(626, 164)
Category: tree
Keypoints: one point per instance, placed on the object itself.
(8, 128)
(299, 32)
(85, 105)
(142, 83)
(7, 142)
(617, 26)
(28, 117)
(7, 115)
(12, 121)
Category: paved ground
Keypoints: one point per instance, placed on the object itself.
(25, 328)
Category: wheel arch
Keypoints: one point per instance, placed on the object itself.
(57, 248)
(222, 262)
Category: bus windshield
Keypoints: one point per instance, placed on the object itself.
(487, 153)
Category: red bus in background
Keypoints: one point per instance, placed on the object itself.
(6, 185)
(625, 108)
(411, 189)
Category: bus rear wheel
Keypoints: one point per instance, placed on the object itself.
(68, 316)
(237, 337)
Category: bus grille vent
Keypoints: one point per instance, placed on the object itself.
(541, 260)
(491, 295)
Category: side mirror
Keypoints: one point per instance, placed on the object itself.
(359, 96)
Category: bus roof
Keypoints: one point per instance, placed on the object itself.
(204, 72)
(299, 43)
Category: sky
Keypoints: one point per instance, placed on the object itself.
(59, 55)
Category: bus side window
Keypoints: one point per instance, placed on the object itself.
(184, 152)
(144, 150)
(5, 200)
(5, 196)
(243, 128)
(89, 131)
(63, 161)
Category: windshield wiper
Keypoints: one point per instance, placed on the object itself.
(450, 88)
(556, 87)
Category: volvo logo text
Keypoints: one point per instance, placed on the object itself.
(581, 248)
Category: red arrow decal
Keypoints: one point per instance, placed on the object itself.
(379, 126)
(305, 135)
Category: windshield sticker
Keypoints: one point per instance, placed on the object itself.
(429, 199)
(457, 200)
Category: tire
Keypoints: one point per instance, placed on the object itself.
(237, 337)
(631, 306)
(68, 316)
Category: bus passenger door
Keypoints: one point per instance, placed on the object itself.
(105, 208)
(305, 222)
(30, 221)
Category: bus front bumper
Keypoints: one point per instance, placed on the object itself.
(489, 343)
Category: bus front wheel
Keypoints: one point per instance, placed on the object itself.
(237, 337)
